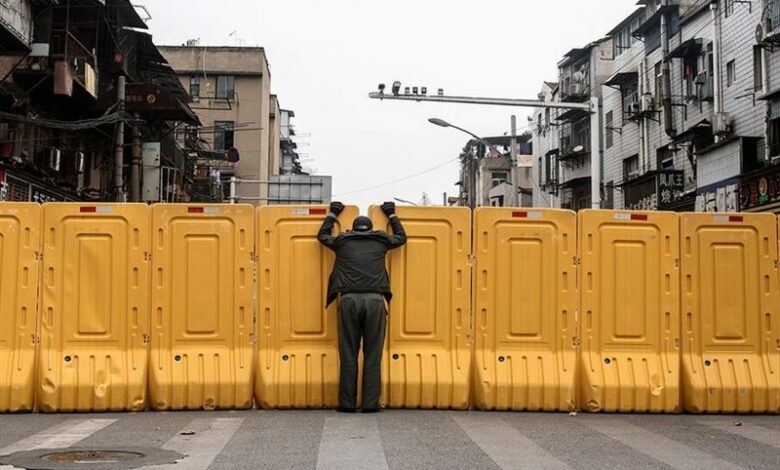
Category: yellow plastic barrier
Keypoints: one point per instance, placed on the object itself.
(202, 307)
(95, 308)
(629, 313)
(525, 297)
(731, 313)
(429, 350)
(298, 361)
(20, 242)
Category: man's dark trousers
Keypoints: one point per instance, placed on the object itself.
(361, 316)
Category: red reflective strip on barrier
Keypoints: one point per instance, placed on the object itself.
(195, 210)
(88, 209)
(318, 211)
(736, 218)
(638, 217)
(520, 214)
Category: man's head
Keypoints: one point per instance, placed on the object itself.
(362, 224)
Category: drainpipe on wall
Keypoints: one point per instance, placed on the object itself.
(643, 124)
(716, 83)
(766, 86)
(666, 74)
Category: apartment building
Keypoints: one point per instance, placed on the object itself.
(231, 92)
(687, 110)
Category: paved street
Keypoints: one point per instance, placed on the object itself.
(411, 439)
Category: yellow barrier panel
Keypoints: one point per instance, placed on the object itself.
(20, 232)
(525, 298)
(202, 307)
(95, 308)
(630, 321)
(298, 360)
(731, 313)
(429, 363)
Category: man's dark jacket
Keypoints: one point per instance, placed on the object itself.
(360, 259)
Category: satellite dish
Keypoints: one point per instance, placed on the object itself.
(759, 33)
(578, 77)
(578, 149)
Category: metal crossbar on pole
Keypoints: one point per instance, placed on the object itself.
(592, 106)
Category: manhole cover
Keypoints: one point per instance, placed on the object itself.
(92, 459)
(94, 456)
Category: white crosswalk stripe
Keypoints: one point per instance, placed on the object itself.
(65, 434)
(351, 442)
(659, 447)
(508, 447)
(760, 434)
(208, 438)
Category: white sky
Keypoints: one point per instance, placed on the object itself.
(326, 56)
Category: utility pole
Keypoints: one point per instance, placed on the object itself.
(514, 199)
(135, 165)
(119, 157)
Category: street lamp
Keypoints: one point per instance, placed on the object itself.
(443, 123)
(473, 173)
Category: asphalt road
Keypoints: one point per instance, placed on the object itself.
(411, 439)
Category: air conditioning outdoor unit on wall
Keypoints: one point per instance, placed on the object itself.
(648, 103)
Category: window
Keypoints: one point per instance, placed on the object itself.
(195, 88)
(541, 173)
(551, 165)
(498, 177)
(610, 129)
(665, 158)
(659, 82)
(226, 87)
(224, 135)
(731, 73)
(758, 68)
(631, 168)
(630, 97)
(690, 71)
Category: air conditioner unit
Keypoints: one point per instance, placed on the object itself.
(39, 49)
(647, 103)
(721, 124)
(632, 176)
(55, 156)
(701, 79)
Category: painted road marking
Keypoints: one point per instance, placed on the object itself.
(63, 435)
(756, 433)
(508, 447)
(351, 442)
(659, 447)
(200, 449)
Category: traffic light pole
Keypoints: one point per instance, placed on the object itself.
(593, 107)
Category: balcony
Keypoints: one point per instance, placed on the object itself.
(575, 171)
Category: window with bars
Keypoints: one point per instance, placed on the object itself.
(224, 135)
(195, 88)
(226, 87)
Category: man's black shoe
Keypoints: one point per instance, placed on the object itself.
(342, 409)
(370, 410)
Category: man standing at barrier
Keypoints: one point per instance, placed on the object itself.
(359, 277)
